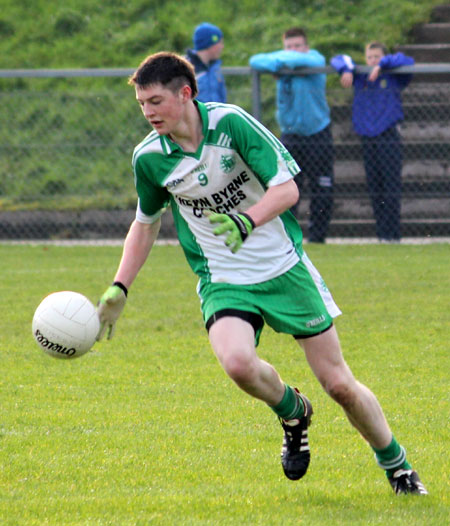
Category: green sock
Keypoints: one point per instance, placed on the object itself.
(392, 457)
(291, 405)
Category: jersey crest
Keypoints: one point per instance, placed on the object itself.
(227, 163)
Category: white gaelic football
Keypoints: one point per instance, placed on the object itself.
(65, 324)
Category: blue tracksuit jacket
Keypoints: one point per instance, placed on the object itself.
(301, 101)
(210, 80)
(377, 105)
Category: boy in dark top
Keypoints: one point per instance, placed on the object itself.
(377, 108)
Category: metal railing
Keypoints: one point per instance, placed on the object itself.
(246, 71)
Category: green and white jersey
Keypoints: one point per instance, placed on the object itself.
(237, 160)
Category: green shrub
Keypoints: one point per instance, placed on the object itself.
(68, 23)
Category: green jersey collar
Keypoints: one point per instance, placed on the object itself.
(168, 146)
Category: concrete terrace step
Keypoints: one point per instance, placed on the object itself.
(350, 218)
(411, 131)
(426, 94)
(356, 188)
(431, 173)
(349, 229)
(441, 13)
(431, 33)
(428, 53)
(432, 43)
(413, 109)
(437, 151)
(425, 190)
(360, 209)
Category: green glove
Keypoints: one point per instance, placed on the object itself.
(239, 226)
(109, 308)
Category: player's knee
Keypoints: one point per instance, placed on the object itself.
(341, 391)
(240, 368)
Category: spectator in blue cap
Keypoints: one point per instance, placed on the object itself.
(205, 57)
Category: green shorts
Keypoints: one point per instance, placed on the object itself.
(298, 302)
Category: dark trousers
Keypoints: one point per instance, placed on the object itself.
(383, 165)
(315, 156)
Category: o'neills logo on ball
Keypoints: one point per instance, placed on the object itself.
(51, 346)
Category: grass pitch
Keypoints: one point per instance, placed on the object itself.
(147, 429)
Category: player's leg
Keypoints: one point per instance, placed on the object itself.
(325, 358)
(319, 156)
(390, 159)
(362, 408)
(370, 148)
(233, 341)
(295, 145)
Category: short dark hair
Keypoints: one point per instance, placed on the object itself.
(295, 32)
(377, 45)
(168, 69)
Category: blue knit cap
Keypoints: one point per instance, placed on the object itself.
(206, 35)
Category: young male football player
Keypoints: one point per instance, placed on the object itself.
(230, 184)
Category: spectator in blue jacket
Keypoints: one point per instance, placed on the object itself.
(304, 118)
(205, 57)
(377, 109)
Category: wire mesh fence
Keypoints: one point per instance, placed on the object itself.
(66, 146)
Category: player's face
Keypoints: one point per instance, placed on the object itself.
(163, 108)
(373, 56)
(296, 44)
(216, 50)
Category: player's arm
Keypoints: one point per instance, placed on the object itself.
(345, 66)
(395, 61)
(275, 201)
(277, 60)
(238, 227)
(137, 246)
